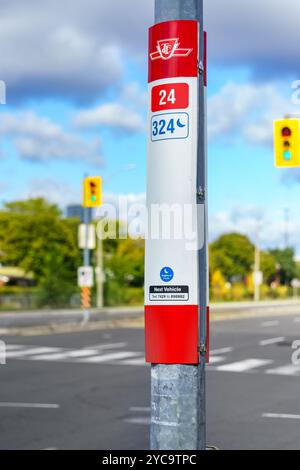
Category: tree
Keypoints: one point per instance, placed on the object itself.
(268, 266)
(124, 269)
(34, 236)
(286, 264)
(233, 255)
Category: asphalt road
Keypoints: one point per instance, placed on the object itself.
(91, 390)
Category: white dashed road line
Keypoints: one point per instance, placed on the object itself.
(289, 369)
(268, 342)
(280, 416)
(221, 351)
(244, 366)
(29, 405)
(269, 324)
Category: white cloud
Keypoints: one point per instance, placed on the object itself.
(72, 49)
(254, 222)
(113, 115)
(261, 35)
(247, 111)
(39, 139)
(56, 192)
(77, 48)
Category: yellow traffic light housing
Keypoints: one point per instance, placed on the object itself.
(287, 143)
(92, 191)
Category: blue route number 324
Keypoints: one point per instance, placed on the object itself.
(170, 126)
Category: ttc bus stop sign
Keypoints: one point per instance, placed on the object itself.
(171, 269)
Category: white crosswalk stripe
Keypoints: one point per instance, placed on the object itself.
(31, 351)
(117, 354)
(285, 370)
(244, 366)
(100, 354)
(216, 359)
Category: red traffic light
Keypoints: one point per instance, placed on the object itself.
(286, 132)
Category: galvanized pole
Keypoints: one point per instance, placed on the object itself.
(86, 251)
(99, 271)
(86, 256)
(257, 270)
(178, 407)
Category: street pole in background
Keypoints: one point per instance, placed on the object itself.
(286, 228)
(86, 291)
(178, 391)
(92, 197)
(99, 271)
(257, 281)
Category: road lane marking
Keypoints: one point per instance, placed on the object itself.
(139, 361)
(14, 347)
(285, 370)
(268, 324)
(267, 342)
(221, 351)
(109, 357)
(280, 416)
(65, 355)
(29, 405)
(138, 409)
(243, 366)
(108, 346)
(216, 359)
(297, 320)
(32, 351)
(139, 420)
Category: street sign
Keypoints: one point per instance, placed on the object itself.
(86, 240)
(287, 143)
(171, 271)
(295, 283)
(258, 278)
(85, 276)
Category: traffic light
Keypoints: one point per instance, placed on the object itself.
(287, 143)
(92, 191)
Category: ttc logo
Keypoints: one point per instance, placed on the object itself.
(168, 48)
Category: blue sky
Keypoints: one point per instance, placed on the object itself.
(76, 103)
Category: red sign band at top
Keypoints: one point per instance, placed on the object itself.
(173, 50)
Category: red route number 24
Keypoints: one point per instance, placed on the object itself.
(170, 96)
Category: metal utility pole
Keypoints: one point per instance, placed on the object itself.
(256, 272)
(99, 271)
(178, 391)
(286, 227)
(86, 291)
(92, 197)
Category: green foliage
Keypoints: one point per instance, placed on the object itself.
(124, 271)
(233, 255)
(267, 266)
(35, 237)
(286, 265)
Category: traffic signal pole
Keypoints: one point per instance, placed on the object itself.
(86, 291)
(86, 221)
(178, 403)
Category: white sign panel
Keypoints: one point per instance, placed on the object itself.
(86, 240)
(171, 263)
(85, 276)
(258, 278)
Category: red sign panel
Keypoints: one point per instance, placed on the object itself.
(170, 96)
(172, 334)
(173, 50)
